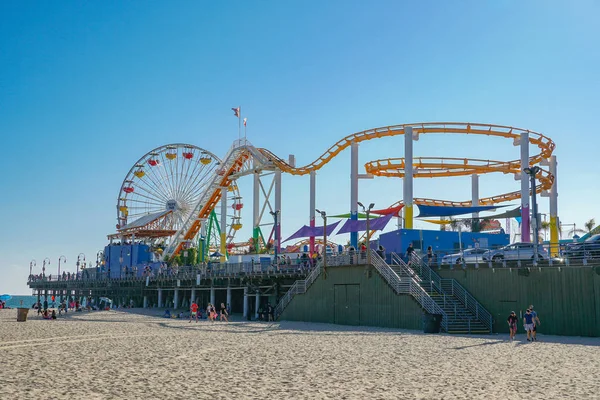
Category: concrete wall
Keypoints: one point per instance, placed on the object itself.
(566, 299)
(348, 297)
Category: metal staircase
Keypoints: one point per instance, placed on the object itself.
(400, 278)
(299, 287)
(465, 314)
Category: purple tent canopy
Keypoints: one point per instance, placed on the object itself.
(307, 231)
(375, 224)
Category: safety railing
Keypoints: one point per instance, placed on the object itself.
(518, 255)
(409, 286)
(456, 290)
(173, 273)
(299, 287)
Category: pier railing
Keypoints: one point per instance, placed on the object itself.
(184, 272)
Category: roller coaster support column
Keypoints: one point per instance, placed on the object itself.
(524, 144)
(353, 192)
(407, 187)
(475, 202)
(223, 249)
(312, 202)
(202, 241)
(277, 228)
(553, 210)
(256, 210)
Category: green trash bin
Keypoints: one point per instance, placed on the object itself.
(22, 314)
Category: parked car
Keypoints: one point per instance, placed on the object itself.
(517, 251)
(470, 256)
(588, 248)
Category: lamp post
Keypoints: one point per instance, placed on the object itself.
(63, 259)
(275, 215)
(532, 172)
(99, 257)
(78, 260)
(44, 266)
(324, 216)
(32, 264)
(368, 212)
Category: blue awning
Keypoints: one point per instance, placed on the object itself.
(447, 211)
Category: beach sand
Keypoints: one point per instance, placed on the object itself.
(129, 355)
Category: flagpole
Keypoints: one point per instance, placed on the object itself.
(240, 123)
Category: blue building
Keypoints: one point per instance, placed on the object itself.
(442, 242)
(120, 258)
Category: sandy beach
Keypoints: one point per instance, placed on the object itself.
(129, 355)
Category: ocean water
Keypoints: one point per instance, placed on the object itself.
(21, 301)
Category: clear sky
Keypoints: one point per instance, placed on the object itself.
(86, 88)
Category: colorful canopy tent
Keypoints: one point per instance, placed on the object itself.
(308, 231)
(348, 215)
(508, 214)
(384, 211)
(438, 222)
(441, 211)
(376, 224)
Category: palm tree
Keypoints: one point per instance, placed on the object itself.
(454, 223)
(544, 227)
(574, 231)
(589, 225)
(468, 223)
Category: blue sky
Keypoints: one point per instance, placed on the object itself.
(86, 88)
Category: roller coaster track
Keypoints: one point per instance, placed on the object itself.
(437, 167)
(393, 167)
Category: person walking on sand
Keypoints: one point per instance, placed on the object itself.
(528, 324)
(194, 311)
(224, 313)
(512, 324)
(209, 313)
(536, 322)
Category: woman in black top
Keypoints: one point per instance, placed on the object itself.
(512, 324)
(224, 313)
(429, 255)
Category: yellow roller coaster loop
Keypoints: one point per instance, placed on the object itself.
(435, 167)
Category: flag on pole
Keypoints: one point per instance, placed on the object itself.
(236, 111)
(245, 119)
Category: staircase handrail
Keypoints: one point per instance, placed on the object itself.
(299, 287)
(414, 289)
(471, 304)
(459, 292)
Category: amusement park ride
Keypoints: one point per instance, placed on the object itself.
(182, 196)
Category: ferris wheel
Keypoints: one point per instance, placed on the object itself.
(163, 187)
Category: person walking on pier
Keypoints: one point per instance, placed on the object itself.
(193, 311)
(536, 322)
(512, 324)
(409, 253)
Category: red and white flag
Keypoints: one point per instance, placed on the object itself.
(236, 111)
(245, 119)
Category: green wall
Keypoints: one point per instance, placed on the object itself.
(567, 300)
(348, 297)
